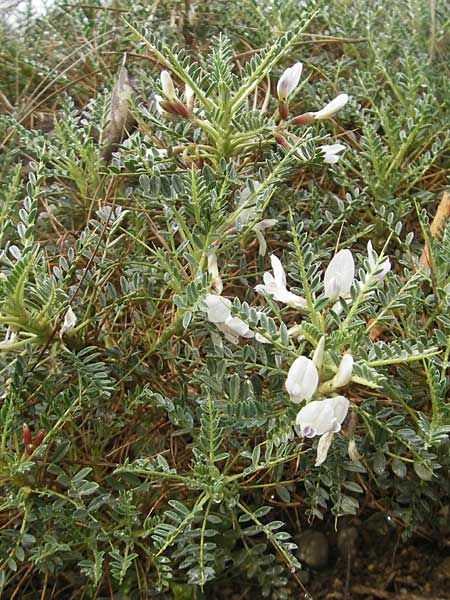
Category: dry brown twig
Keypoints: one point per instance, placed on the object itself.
(442, 214)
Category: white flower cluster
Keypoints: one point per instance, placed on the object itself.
(287, 84)
(323, 417)
(319, 417)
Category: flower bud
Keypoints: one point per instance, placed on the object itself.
(167, 85)
(318, 353)
(180, 108)
(213, 270)
(167, 107)
(344, 372)
(283, 110)
(26, 434)
(289, 81)
(383, 268)
(189, 96)
(280, 139)
(70, 320)
(303, 119)
(38, 438)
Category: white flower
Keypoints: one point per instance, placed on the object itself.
(331, 108)
(382, 268)
(324, 418)
(302, 379)
(339, 275)
(70, 321)
(289, 81)
(258, 229)
(219, 313)
(167, 85)
(331, 152)
(275, 286)
(344, 371)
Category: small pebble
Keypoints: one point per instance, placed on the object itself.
(442, 571)
(313, 548)
(347, 542)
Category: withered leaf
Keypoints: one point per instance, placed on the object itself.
(121, 120)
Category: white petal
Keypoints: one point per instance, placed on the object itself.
(353, 451)
(302, 379)
(331, 152)
(340, 407)
(289, 298)
(218, 308)
(342, 268)
(332, 107)
(323, 416)
(213, 270)
(237, 326)
(331, 288)
(189, 96)
(229, 334)
(265, 223)
(289, 81)
(278, 271)
(70, 319)
(262, 241)
(323, 447)
(261, 339)
(319, 352)
(370, 254)
(344, 371)
(159, 108)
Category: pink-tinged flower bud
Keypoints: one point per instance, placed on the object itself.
(280, 139)
(331, 108)
(289, 81)
(180, 108)
(168, 107)
(283, 110)
(303, 119)
(38, 438)
(26, 434)
(167, 85)
(344, 371)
